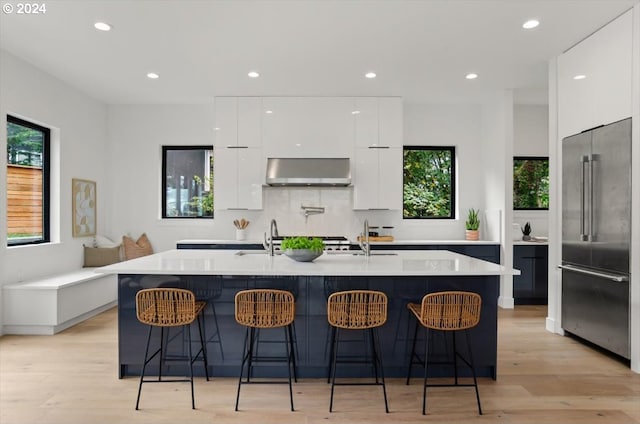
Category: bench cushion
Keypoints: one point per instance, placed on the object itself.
(101, 256)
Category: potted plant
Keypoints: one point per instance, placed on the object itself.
(472, 224)
(526, 232)
(302, 249)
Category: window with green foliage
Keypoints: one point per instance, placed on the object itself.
(187, 186)
(530, 183)
(27, 182)
(429, 182)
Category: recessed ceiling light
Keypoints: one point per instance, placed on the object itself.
(153, 75)
(355, 112)
(102, 26)
(216, 129)
(579, 77)
(370, 75)
(471, 76)
(253, 74)
(268, 112)
(530, 24)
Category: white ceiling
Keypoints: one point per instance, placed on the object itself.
(420, 49)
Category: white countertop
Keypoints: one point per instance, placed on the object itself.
(530, 243)
(227, 262)
(398, 242)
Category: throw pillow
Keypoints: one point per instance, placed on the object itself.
(101, 256)
(138, 248)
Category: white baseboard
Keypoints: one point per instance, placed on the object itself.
(505, 302)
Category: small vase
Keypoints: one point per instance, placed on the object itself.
(472, 235)
(526, 238)
(241, 234)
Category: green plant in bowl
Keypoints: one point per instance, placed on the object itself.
(302, 249)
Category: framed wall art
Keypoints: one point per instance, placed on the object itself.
(84, 207)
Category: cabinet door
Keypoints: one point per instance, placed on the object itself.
(226, 121)
(250, 121)
(365, 179)
(576, 102)
(541, 273)
(390, 121)
(251, 176)
(225, 178)
(366, 121)
(308, 127)
(614, 69)
(238, 178)
(523, 259)
(389, 178)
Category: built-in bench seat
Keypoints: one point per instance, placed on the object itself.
(49, 305)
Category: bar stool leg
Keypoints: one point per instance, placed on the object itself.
(294, 352)
(473, 370)
(144, 365)
(332, 339)
(377, 352)
(290, 353)
(217, 334)
(245, 356)
(334, 348)
(374, 356)
(455, 357)
(203, 348)
(193, 398)
(426, 370)
(413, 351)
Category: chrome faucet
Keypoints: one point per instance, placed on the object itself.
(364, 243)
(273, 232)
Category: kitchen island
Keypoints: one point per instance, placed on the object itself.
(216, 275)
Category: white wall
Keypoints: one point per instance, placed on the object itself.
(531, 138)
(137, 132)
(79, 146)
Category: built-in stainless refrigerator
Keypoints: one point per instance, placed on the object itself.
(596, 235)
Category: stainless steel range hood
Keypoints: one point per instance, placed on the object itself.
(308, 172)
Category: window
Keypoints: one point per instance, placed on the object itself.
(530, 182)
(27, 182)
(428, 182)
(187, 185)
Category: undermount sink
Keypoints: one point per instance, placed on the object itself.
(359, 253)
(252, 252)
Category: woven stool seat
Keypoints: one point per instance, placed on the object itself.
(261, 309)
(357, 310)
(449, 311)
(167, 308)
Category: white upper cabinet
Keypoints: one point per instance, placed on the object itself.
(378, 122)
(603, 94)
(226, 121)
(366, 121)
(308, 127)
(238, 121)
(250, 117)
(390, 121)
(238, 178)
(377, 178)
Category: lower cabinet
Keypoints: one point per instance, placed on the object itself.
(531, 286)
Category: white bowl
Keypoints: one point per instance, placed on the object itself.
(302, 255)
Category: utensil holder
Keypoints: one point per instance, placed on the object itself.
(241, 234)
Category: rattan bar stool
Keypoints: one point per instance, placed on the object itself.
(357, 310)
(170, 307)
(258, 309)
(449, 311)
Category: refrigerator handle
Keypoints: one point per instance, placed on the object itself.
(591, 236)
(583, 160)
(612, 277)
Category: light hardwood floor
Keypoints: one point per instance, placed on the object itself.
(542, 378)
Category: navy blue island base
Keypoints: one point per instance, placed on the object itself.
(312, 332)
